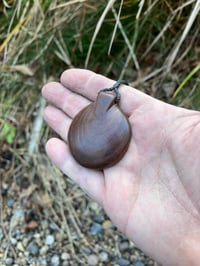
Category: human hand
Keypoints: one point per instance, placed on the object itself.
(153, 194)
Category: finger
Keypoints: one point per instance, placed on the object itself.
(88, 83)
(91, 181)
(57, 120)
(71, 103)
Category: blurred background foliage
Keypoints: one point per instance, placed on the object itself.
(130, 39)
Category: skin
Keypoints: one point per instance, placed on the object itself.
(153, 194)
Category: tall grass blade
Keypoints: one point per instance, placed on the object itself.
(98, 27)
(14, 31)
(115, 28)
(130, 47)
(186, 79)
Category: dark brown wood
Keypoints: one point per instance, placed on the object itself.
(99, 135)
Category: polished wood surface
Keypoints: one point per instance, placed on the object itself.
(100, 133)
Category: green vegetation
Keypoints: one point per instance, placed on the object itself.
(8, 133)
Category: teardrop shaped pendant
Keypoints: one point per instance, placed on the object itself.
(100, 133)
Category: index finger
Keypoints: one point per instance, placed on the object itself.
(88, 84)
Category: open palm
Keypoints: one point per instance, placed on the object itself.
(153, 194)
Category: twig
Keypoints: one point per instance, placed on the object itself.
(37, 125)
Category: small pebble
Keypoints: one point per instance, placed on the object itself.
(55, 260)
(126, 255)
(17, 233)
(123, 262)
(23, 262)
(17, 217)
(20, 246)
(33, 248)
(4, 189)
(98, 218)
(43, 250)
(9, 261)
(107, 224)
(92, 260)
(30, 235)
(44, 224)
(30, 260)
(37, 235)
(65, 263)
(10, 203)
(13, 241)
(65, 256)
(18, 213)
(138, 263)
(53, 227)
(103, 256)
(123, 246)
(25, 241)
(59, 236)
(4, 244)
(43, 263)
(85, 249)
(96, 229)
(49, 240)
(8, 212)
(94, 206)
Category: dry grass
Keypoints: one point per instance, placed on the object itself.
(152, 44)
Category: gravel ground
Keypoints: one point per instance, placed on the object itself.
(48, 221)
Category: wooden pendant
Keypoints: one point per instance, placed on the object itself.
(99, 134)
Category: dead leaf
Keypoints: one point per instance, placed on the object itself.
(31, 225)
(23, 69)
